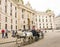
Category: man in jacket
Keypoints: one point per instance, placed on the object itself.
(3, 31)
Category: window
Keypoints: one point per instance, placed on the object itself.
(43, 25)
(11, 9)
(5, 26)
(11, 5)
(24, 21)
(15, 15)
(23, 26)
(0, 25)
(23, 13)
(15, 12)
(23, 10)
(5, 19)
(15, 8)
(16, 21)
(50, 18)
(5, 8)
(51, 25)
(16, 27)
(10, 12)
(11, 27)
(46, 16)
(40, 26)
(47, 25)
(0, 2)
(53, 16)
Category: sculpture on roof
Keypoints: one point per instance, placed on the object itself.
(28, 5)
(48, 10)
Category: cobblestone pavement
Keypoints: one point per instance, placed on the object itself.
(52, 39)
(7, 42)
(9, 39)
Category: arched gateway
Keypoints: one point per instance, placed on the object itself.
(28, 23)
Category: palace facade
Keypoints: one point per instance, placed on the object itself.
(14, 15)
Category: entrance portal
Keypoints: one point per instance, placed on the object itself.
(28, 23)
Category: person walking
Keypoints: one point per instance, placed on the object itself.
(3, 31)
(6, 33)
(42, 34)
(13, 33)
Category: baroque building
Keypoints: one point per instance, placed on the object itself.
(57, 22)
(45, 20)
(8, 15)
(14, 15)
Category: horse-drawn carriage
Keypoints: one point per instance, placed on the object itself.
(26, 37)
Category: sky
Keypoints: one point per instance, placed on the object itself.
(43, 5)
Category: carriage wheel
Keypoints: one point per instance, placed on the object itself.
(30, 39)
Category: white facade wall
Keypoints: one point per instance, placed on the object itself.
(9, 17)
(43, 24)
(57, 22)
(28, 13)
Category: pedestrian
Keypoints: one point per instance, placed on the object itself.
(6, 33)
(42, 34)
(13, 33)
(38, 33)
(35, 33)
(3, 31)
(16, 32)
(45, 31)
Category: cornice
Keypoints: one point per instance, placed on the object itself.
(26, 8)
